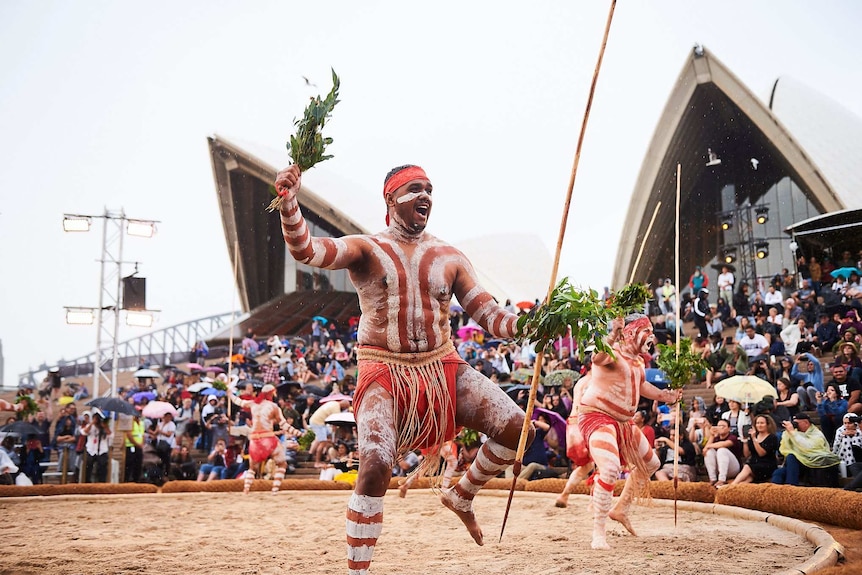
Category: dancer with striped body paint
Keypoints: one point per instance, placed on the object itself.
(413, 390)
(263, 442)
(603, 434)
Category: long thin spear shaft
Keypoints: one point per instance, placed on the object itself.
(232, 319)
(540, 356)
(643, 242)
(677, 324)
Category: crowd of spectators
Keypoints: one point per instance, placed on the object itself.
(801, 333)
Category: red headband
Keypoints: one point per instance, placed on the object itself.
(400, 178)
(639, 323)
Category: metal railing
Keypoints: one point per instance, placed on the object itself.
(169, 345)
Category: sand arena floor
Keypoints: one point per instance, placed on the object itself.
(303, 533)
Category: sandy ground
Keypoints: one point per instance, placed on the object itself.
(303, 533)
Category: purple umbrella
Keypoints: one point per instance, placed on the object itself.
(558, 424)
(141, 395)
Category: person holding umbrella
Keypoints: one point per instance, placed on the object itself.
(99, 436)
(164, 439)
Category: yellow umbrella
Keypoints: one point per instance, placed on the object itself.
(745, 388)
(65, 400)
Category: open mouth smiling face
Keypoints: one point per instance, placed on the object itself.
(415, 204)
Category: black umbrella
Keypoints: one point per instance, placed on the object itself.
(21, 428)
(114, 404)
(313, 389)
(285, 388)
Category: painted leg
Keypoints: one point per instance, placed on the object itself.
(277, 478)
(364, 524)
(490, 461)
(578, 475)
(636, 483)
(603, 494)
(375, 425)
(248, 480)
(605, 453)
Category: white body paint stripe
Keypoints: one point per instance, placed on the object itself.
(364, 530)
(359, 554)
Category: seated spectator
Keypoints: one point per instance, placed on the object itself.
(737, 419)
(831, 408)
(849, 321)
(806, 451)
(536, 456)
(825, 334)
(787, 402)
(717, 409)
(848, 387)
(721, 454)
(730, 367)
(183, 466)
(810, 380)
(215, 465)
(848, 355)
(236, 462)
(686, 469)
(848, 446)
(760, 450)
(8, 470)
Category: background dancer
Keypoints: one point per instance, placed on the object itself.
(263, 442)
(605, 412)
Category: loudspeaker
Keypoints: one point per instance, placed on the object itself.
(134, 293)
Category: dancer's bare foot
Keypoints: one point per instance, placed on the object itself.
(562, 501)
(623, 518)
(466, 517)
(599, 541)
(402, 491)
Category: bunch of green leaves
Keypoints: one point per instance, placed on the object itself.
(583, 309)
(219, 384)
(469, 437)
(307, 146)
(30, 406)
(306, 439)
(629, 299)
(679, 368)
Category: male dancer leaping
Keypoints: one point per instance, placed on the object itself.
(414, 390)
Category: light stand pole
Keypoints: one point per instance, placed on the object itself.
(110, 283)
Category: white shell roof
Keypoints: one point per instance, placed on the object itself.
(828, 132)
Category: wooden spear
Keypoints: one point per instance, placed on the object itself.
(677, 323)
(540, 356)
(232, 319)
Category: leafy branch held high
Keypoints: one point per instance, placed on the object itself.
(308, 146)
(583, 310)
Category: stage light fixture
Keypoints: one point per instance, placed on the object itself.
(761, 215)
(76, 223)
(729, 256)
(761, 250)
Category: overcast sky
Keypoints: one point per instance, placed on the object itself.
(108, 105)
